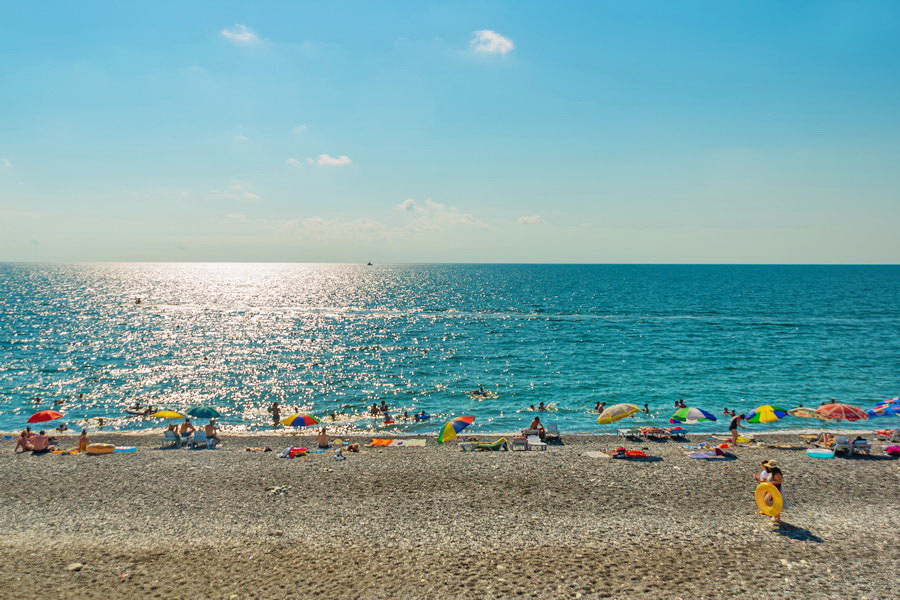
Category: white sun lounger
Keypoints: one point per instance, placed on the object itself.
(535, 443)
(842, 444)
(171, 439)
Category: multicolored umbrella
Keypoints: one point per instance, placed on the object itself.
(690, 416)
(44, 415)
(616, 412)
(807, 413)
(842, 411)
(167, 414)
(204, 412)
(299, 421)
(766, 413)
(453, 427)
(885, 408)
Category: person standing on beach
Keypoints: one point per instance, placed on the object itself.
(733, 427)
(276, 414)
(771, 473)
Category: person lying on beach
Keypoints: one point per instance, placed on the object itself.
(23, 443)
(323, 439)
(212, 432)
(41, 443)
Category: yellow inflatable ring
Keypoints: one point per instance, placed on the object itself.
(100, 448)
(770, 510)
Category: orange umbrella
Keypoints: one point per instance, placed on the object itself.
(842, 411)
(44, 415)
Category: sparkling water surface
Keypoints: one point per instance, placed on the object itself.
(323, 338)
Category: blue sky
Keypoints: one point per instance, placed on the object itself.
(451, 132)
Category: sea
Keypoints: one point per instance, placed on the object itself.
(329, 340)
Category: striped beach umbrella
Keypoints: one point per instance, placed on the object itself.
(766, 413)
(44, 415)
(844, 412)
(453, 427)
(616, 412)
(885, 408)
(299, 421)
(807, 413)
(691, 415)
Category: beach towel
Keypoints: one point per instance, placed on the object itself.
(412, 443)
(379, 442)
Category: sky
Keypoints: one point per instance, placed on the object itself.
(604, 131)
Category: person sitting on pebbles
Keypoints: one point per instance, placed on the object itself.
(41, 444)
(83, 441)
(24, 443)
(323, 439)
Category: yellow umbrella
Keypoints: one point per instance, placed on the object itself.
(616, 412)
(167, 414)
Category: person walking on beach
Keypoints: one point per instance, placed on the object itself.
(771, 473)
(276, 414)
(733, 427)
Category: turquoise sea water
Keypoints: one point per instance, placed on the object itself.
(322, 337)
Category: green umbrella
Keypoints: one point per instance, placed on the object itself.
(204, 412)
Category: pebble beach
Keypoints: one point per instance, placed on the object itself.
(435, 522)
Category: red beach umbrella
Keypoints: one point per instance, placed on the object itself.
(842, 411)
(43, 415)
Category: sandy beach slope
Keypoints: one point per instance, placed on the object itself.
(438, 523)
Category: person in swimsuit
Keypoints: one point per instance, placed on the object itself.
(536, 424)
(187, 429)
(83, 441)
(733, 427)
(646, 409)
(23, 443)
(41, 443)
(323, 439)
(541, 406)
(211, 431)
(276, 414)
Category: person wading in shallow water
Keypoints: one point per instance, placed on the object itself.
(276, 414)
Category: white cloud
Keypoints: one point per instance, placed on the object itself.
(434, 216)
(235, 217)
(5, 163)
(237, 190)
(240, 34)
(294, 162)
(491, 42)
(529, 220)
(242, 138)
(324, 160)
(300, 129)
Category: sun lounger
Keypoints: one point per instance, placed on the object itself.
(201, 441)
(628, 433)
(495, 446)
(677, 432)
(654, 433)
(535, 443)
(842, 444)
(171, 439)
(861, 446)
(519, 443)
(888, 435)
(551, 432)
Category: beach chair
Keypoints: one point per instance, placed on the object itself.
(629, 433)
(201, 441)
(552, 433)
(888, 435)
(533, 439)
(842, 444)
(861, 447)
(679, 433)
(171, 440)
(519, 443)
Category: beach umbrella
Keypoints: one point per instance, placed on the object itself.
(885, 408)
(453, 427)
(167, 414)
(204, 412)
(842, 411)
(807, 413)
(766, 413)
(43, 415)
(299, 421)
(616, 412)
(691, 416)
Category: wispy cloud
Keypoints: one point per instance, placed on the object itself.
(237, 190)
(235, 217)
(240, 34)
(491, 42)
(242, 138)
(530, 220)
(300, 129)
(325, 160)
(336, 229)
(5, 163)
(294, 162)
(435, 216)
